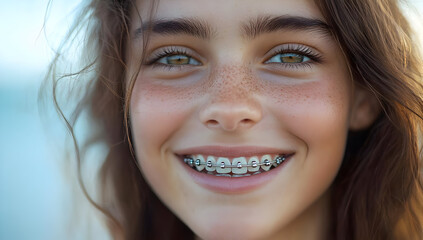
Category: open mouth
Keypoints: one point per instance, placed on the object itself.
(234, 167)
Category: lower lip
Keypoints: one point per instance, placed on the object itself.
(233, 185)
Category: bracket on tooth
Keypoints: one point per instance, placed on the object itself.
(266, 163)
(279, 159)
(191, 162)
(222, 165)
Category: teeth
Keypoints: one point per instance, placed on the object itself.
(236, 167)
(265, 160)
(223, 175)
(199, 162)
(240, 164)
(242, 175)
(274, 164)
(223, 165)
(253, 162)
(210, 164)
(189, 161)
(279, 160)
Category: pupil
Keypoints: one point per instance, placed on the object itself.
(291, 58)
(178, 60)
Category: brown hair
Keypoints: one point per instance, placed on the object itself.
(378, 191)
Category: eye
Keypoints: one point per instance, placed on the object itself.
(173, 57)
(178, 59)
(288, 58)
(293, 55)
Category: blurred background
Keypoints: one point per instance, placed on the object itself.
(37, 189)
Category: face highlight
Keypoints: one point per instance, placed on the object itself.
(217, 85)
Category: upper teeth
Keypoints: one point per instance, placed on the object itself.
(238, 165)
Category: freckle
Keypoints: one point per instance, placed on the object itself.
(160, 94)
(232, 82)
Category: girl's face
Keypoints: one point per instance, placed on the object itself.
(241, 82)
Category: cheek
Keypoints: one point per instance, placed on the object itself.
(317, 110)
(316, 114)
(157, 111)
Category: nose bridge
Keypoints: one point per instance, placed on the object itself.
(232, 84)
(231, 102)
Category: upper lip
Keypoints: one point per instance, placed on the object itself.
(232, 151)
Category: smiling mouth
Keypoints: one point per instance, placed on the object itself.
(235, 167)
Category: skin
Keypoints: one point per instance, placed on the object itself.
(235, 98)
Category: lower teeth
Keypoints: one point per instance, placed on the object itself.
(241, 175)
(222, 175)
(233, 174)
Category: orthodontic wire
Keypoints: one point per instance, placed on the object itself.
(196, 162)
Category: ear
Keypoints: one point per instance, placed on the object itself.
(365, 109)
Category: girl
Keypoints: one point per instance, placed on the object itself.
(272, 119)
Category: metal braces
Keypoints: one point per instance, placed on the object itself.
(197, 162)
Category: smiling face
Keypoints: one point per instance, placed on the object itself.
(237, 80)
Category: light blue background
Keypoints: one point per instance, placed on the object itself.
(38, 189)
(35, 190)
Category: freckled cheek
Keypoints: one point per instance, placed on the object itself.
(157, 112)
(315, 112)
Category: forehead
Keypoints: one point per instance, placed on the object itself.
(224, 13)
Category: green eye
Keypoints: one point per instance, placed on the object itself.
(288, 58)
(178, 59)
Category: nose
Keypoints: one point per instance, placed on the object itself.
(230, 117)
(231, 105)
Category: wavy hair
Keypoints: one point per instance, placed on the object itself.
(378, 191)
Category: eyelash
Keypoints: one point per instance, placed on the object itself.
(166, 52)
(290, 48)
(300, 50)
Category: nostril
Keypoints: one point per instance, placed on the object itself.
(212, 123)
(246, 122)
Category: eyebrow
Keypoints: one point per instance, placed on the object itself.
(188, 26)
(267, 24)
(254, 28)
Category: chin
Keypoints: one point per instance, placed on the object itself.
(225, 230)
(229, 225)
